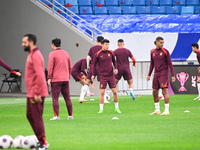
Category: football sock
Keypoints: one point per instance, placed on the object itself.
(160, 92)
(88, 91)
(198, 85)
(116, 105)
(166, 107)
(101, 106)
(130, 89)
(84, 89)
(157, 106)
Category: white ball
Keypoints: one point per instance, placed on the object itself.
(106, 96)
(28, 142)
(18, 141)
(5, 141)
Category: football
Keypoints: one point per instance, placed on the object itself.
(18, 141)
(28, 142)
(5, 141)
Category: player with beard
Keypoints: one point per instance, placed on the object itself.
(36, 88)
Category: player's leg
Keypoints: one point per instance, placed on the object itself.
(66, 94)
(101, 100)
(37, 111)
(166, 98)
(84, 89)
(127, 76)
(198, 87)
(155, 96)
(55, 92)
(130, 83)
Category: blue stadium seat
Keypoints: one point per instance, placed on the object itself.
(139, 2)
(179, 2)
(192, 2)
(74, 9)
(173, 9)
(152, 2)
(47, 3)
(111, 2)
(60, 10)
(98, 3)
(158, 10)
(187, 10)
(114, 10)
(143, 9)
(100, 10)
(72, 2)
(86, 10)
(197, 10)
(125, 2)
(166, 2)
(127, 10)
(56, 2)
(85, 3)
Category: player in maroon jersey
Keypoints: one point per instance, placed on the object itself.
(106, 59)
(161, 63)
(195, 49)
(79, 74)
(122, 57)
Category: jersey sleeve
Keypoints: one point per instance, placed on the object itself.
(84, 66)
(169, 62)
(50, 65)
(94, 64)
(151, 66)
(3, 64)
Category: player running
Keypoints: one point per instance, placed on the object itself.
(79, 74)
(122, 57)
(195, 49)
(59, 69)
(36, 88)
(3, 64)
(161, 63)
(104, 59)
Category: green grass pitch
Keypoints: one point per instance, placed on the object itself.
(135, 129)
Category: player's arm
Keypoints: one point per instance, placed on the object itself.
(132, 58)
(3, 64)
(50, 68)
(150, 68)
(39, 70)
(94, 67)
(114, 63)
(88, 61)
(169, 62)
(70, 65)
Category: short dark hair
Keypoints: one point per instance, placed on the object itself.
(56, 42)
(31, 37)
(105, 41)
(120, 41)
(100, 38)
(195, 45)
(158, 39)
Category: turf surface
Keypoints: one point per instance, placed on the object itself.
(89, 130)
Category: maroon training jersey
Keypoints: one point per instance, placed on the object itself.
(122, 55)
(104, 59)
(198, 55)
(3, 64)
(161, 62)
(80, 66)
(93, 50)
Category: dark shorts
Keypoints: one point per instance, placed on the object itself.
(160, 82)
(125, 72)
(78, 76)
(89, 75)
(107, 79)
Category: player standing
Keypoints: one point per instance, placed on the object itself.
(79, 74)
(3, 64)
(104, 59)
(161, 63)
(59, 69)
(122, 57)
(36, 88)
(195, 49)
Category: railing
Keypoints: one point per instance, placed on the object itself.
(70, 17)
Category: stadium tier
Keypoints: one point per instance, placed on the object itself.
(129, 7)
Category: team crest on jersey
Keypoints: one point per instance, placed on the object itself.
(32, 101)
(27, 59)
(153, 54)
(108, 54)
(161, 54)
(162, 85)
(101, 56)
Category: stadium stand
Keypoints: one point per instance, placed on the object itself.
(139, 3)
(187, 10)
(74, 9)
(111, 2)
(192, 2)
(179, 3)
(166, 2)
(158, 9)
(85, 10)
(197, 10)
(84, 2)
(143, 9)
(173, 10)
(114, 10)
(152, 2)
(125, 2)
(98, 3)
(126, 10)
(71, 3)
(100, 10)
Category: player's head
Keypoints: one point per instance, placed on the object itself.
(195, 46)
(55, 43)
(29, 41)
(99, 39)
(105, 44)
(120, 43)
(159, 42)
